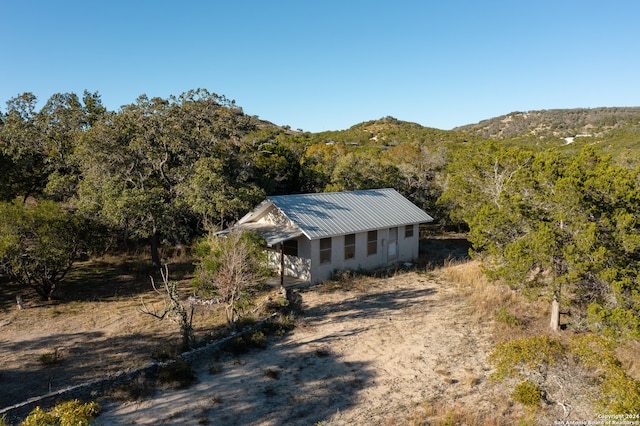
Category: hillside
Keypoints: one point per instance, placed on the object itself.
(559, 123)
(616, 130)
(390, 131)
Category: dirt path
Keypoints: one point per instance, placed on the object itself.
(354, 358)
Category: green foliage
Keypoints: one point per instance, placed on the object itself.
(529, 360)
(216, 194)
(245, 342)
(525, 357)
(479, 177)
(39, 244)
(550, 223)
(258, 339)
(229, 266)
(527, 394)
(278, 167)
(617, 322)
(502, 315)
(363, 171)
(283, 323)
(619, 393)
(69, 413)
(40, 145)
(555, 123)
(146, 169)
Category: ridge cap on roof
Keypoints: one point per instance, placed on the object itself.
(333, 192)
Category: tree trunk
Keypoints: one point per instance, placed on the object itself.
(52, 290)
(555, 314)
(228, 309)
(155, 255)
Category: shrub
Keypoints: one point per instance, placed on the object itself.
(528, 355)
(527, 394)
(280, 324)
(67, 413)
(177, 374)
(137, 389)
(619, 393)
(236, 346)
(503, 316)
(50, 358)
(258, 340)
(617, 322)
(244, 322)
(243, 343)
(529, 359)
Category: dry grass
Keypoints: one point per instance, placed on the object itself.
(487, 302)
(95, 328)
(512, 314)
(438, 413)
(471, 283)
(629, 356)
(348, 281)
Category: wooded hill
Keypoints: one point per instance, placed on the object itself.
(613, 131)
(556, 123)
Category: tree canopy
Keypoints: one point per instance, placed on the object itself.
(551, 224)
(39, 244)
(166, 170)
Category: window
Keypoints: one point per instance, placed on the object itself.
(290, 247)
(325, 250)
(350, 246)
(408, 231)
(372, 242)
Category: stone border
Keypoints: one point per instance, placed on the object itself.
(99, 387)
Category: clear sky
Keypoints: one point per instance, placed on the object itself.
(330, 64)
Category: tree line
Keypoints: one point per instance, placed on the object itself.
(162, 171)
(77, 179)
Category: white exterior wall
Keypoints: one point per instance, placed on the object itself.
(407, 249)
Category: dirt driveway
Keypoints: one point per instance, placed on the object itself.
(368, 356)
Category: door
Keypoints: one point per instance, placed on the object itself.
(392, 253)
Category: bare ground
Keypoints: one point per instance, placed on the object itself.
(357, 356)
(409, 349)
(49, 346)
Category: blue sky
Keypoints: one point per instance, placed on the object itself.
(327, 65)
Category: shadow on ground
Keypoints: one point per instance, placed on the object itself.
(98, 279)
(292, 382)
(370, 305)
(62, 360)
(437, 251)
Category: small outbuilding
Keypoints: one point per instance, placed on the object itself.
(313, 235)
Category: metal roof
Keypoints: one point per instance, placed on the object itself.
(329, 214)
(273, 234)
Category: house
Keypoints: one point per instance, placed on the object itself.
(312, 235)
